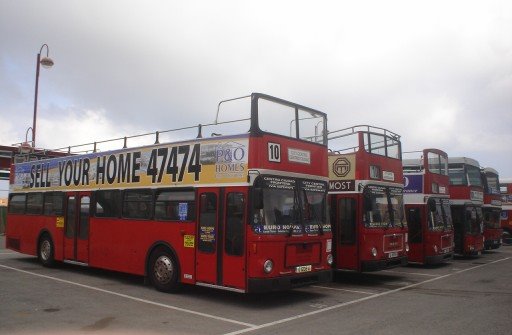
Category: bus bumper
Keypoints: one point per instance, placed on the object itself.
(257, 285)
(436, 259)
(381, 264)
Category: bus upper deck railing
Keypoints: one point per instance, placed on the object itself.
(361, 128)
(92, 147)
(388, 139)
(308, 130)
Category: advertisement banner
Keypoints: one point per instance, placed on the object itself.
(413, 183)
(200, 162)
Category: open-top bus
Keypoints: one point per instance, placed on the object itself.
(506, 207)
(491, 209)
(427, 207)
(244, 212)
(466, 200)
(366, 199)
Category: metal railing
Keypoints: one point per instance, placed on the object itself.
(92, 147)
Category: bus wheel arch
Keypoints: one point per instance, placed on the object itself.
(162, 267)
(46, 249)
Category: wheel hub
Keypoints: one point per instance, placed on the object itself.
(46, 250)
(163, 269)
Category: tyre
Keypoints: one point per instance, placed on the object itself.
(45, 251)
(163, 270)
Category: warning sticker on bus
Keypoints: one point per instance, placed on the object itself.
(188, 241)
(59, 222)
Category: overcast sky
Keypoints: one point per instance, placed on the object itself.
(439, 73)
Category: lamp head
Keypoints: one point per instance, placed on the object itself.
(47, 62)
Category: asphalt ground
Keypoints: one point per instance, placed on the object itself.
(463, 296)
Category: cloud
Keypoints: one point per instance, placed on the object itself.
(431, 72)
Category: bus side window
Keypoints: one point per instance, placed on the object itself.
(35, 203)
(137, 204)
(414, 222)
(175, 205)
(107, 203)
(53, 203)
(17, 203)
(234, 241)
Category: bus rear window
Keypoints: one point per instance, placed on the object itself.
(35, 203)
(17, 203)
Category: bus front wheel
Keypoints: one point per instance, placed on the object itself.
(163, 270)
(45, 252)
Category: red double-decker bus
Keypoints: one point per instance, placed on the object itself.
(366, 199)
(506, 208)
(491, 209)
(466, 200)
(427, 207)
(244, 212)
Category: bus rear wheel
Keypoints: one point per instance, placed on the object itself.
(163, 270)
(46, 251)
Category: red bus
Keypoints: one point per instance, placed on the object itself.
(491, 209)
(245, 213)
(466, 200)
(506, 208)
(366, 199)
(427, 207)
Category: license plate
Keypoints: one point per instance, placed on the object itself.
(393, 254)
(303, 268)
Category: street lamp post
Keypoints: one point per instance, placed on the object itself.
(46, 62)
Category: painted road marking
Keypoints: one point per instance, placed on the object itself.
(342, 289)
(273, 323)
(149, 302)
(410, 273)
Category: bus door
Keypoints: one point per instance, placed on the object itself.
(220, 257)
(458, 218)
(417, 227)
(347, 233)
(76, 236)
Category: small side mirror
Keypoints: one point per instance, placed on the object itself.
(258, 198)
(432, 205)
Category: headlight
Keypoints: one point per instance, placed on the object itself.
(374, 252)
(407, 247)
(329, 259)
(435, 248)
(268, 266)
